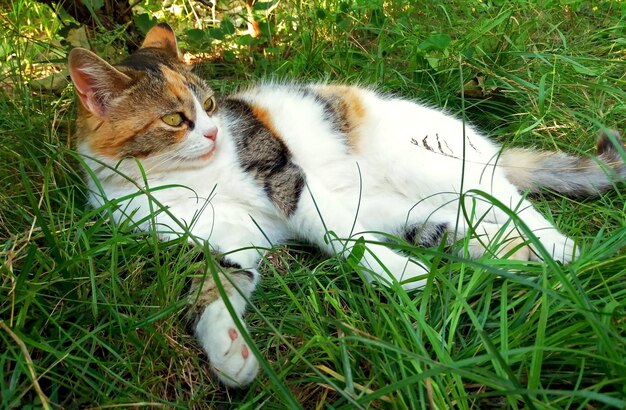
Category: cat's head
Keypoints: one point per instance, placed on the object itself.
(149, 106)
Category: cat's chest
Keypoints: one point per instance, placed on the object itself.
(209, 203)
(216, 188)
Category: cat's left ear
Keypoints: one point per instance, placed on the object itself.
(162, 36)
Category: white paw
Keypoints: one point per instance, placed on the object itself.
(410, 274)
(413, 276)
(512, 248)
(229, 355)
(511, 245)
(559, 246)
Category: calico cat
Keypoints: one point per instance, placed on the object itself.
(321, 163)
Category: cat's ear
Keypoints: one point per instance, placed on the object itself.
(162, 36)
(97, 82)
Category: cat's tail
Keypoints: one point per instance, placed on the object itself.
(575, 176)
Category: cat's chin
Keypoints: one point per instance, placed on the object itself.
(199, 159)
(191, 162)
(206, 156)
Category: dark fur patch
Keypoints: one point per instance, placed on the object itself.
(265, 156)
(235, 269)
(410, 235)
(336, 111)
(227, 263)
(147, 143)
(245, 273)
(427, 235)
(165, 26)
(425, 143)
(148, 60)
(605, 144)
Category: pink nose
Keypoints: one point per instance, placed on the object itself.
(211, 134)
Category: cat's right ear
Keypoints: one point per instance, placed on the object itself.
(97, 82)
(162, 36)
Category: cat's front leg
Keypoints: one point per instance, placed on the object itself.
(215, 328)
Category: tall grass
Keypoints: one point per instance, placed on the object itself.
(93, 314)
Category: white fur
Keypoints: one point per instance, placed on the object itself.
(412, 164)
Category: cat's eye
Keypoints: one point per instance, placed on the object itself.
(209, 105)
(174, 119)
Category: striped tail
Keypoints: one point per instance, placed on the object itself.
(532, 170)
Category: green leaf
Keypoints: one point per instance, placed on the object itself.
(197, 38)
(63, 31)
(433, 62)
(215, 33)
(144, 22)
(436, 41)
(541, 94)
(469, 52)
(581, 69)
(578, 67)
(342, 22)
(245, 40)
(358, 250)
(229, 56)
(227, 27)
(263, 5)
(94, 4)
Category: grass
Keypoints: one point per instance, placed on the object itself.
(92, 314)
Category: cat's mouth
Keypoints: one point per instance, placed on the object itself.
(206, 155)
(196, 158)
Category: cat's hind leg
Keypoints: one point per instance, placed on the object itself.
(498, 241)
(328, 221)
(483, 238)
(495, 231)
(557, 245)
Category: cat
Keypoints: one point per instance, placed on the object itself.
(317, 162)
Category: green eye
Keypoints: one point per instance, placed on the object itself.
(209, 105)
(174, 119)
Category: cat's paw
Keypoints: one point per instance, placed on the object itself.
(410, 274)
(230, 357)
(559, 246)
(516, 248)
(413, 276)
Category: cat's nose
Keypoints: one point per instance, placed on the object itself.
(211, 134)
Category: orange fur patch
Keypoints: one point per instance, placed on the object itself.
(264, 118)
(177, 86)
(350, 107)
(161, 37)
(108, 139)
